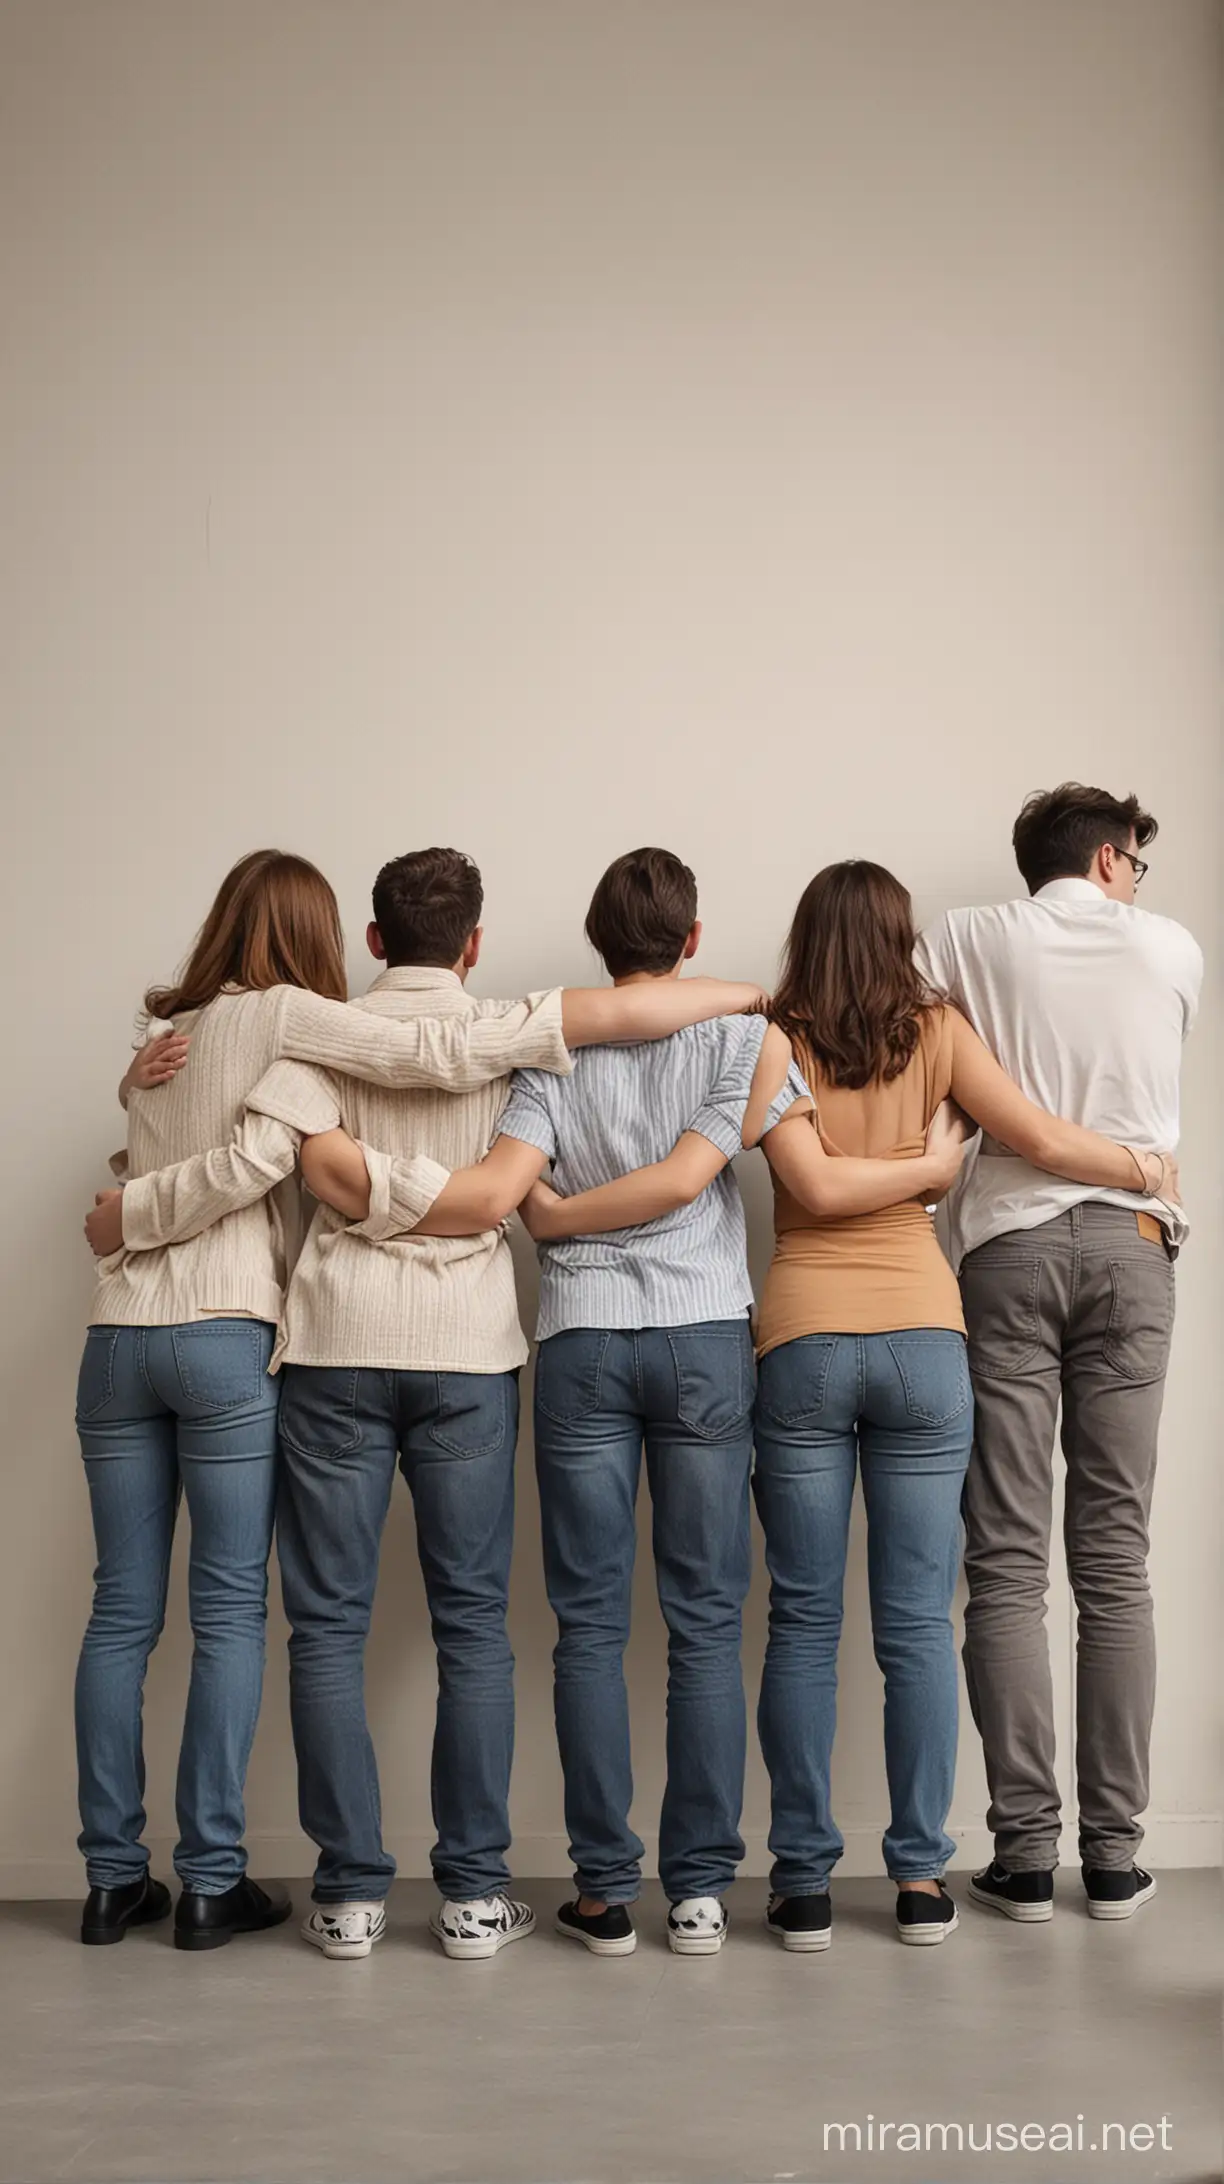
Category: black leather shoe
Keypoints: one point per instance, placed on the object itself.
(208, 1922)
(109, 1912)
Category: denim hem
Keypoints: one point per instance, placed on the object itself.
(791, 1895)
(468, 1894)
(605, 1895)
(198, 1888)
(330, 1897)
(936, 1874)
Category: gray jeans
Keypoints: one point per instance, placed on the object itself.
(1080, 1308)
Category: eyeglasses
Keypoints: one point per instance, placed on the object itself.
(1139, 866)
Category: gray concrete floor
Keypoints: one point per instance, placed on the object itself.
(546, 2066)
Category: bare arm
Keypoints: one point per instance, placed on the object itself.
(987, 1093)
(663, 1186)
(471, 1200)
(651, 1009)
(643, 1195)
(833, 1187)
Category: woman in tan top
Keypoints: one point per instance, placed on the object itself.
(174, 1396)
(862, 1361)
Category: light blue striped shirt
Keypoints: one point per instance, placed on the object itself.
(623, 1108)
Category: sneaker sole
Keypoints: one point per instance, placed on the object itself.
(592, 1942)
(927, 1937)
(1121, 1910)
(1024, 1914)
(802, 1944)
(688, 1945)
(339, 1952)
(463, 1952)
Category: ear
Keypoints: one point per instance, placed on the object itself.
(693, 943)
(374, 942)
(1106, 862)
(471, 948)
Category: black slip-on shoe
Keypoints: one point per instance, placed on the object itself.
(802, 1923)
(1114, 1895)
(607, 1933)
(923, 1919)
(109, 1912)
(208, 1922)
(1026, 1897)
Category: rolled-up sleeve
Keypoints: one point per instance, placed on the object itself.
(526, 1115)
(452, 1053)
(720, 1117)
(304, 1099)
(172, 1204)
(401, 1192)
(793, 1090)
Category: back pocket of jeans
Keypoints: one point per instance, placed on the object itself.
(1140, 1327)
(792, 1379)
(1001, 1295)
(96, 1379)
(569, 1373)
(471, 1418)
(318, 1412)
(222, 1364)
(934, 1374)
(714, 1380)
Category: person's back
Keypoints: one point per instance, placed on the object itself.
(358, 1299)
(870, 1271)
(239, 1264)
(624, 1108)
(1069, 1296)
(1085, 1001)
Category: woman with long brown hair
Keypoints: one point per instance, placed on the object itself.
(862, 1365)
(174, 1396)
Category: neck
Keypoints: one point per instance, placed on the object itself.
(645, 978)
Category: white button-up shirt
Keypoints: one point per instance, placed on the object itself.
(1085, 1002)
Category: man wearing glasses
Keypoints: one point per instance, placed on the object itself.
(1068, 1293)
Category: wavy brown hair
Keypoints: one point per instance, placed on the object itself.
(849, 991)
(275, 922)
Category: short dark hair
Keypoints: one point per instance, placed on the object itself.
(1059, 831)
(642, 912)
(427, 905)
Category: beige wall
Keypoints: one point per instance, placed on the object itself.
(776, 430)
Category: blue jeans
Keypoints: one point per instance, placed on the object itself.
(342, 1431)
(164, 1411)
(901, 1404)
(687, 1393)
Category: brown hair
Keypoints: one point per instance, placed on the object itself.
(427, 905)
(849, 991)
(1059, 831)
(642, 912)
(275, 922)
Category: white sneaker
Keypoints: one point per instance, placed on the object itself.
(481, 1928)
(697, 1926)
(343, 1930)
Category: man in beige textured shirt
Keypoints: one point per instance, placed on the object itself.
(408, 1348)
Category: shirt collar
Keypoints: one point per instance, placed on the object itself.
(1070, 889)
(416, 978)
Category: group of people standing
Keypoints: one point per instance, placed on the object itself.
(273, 1377)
